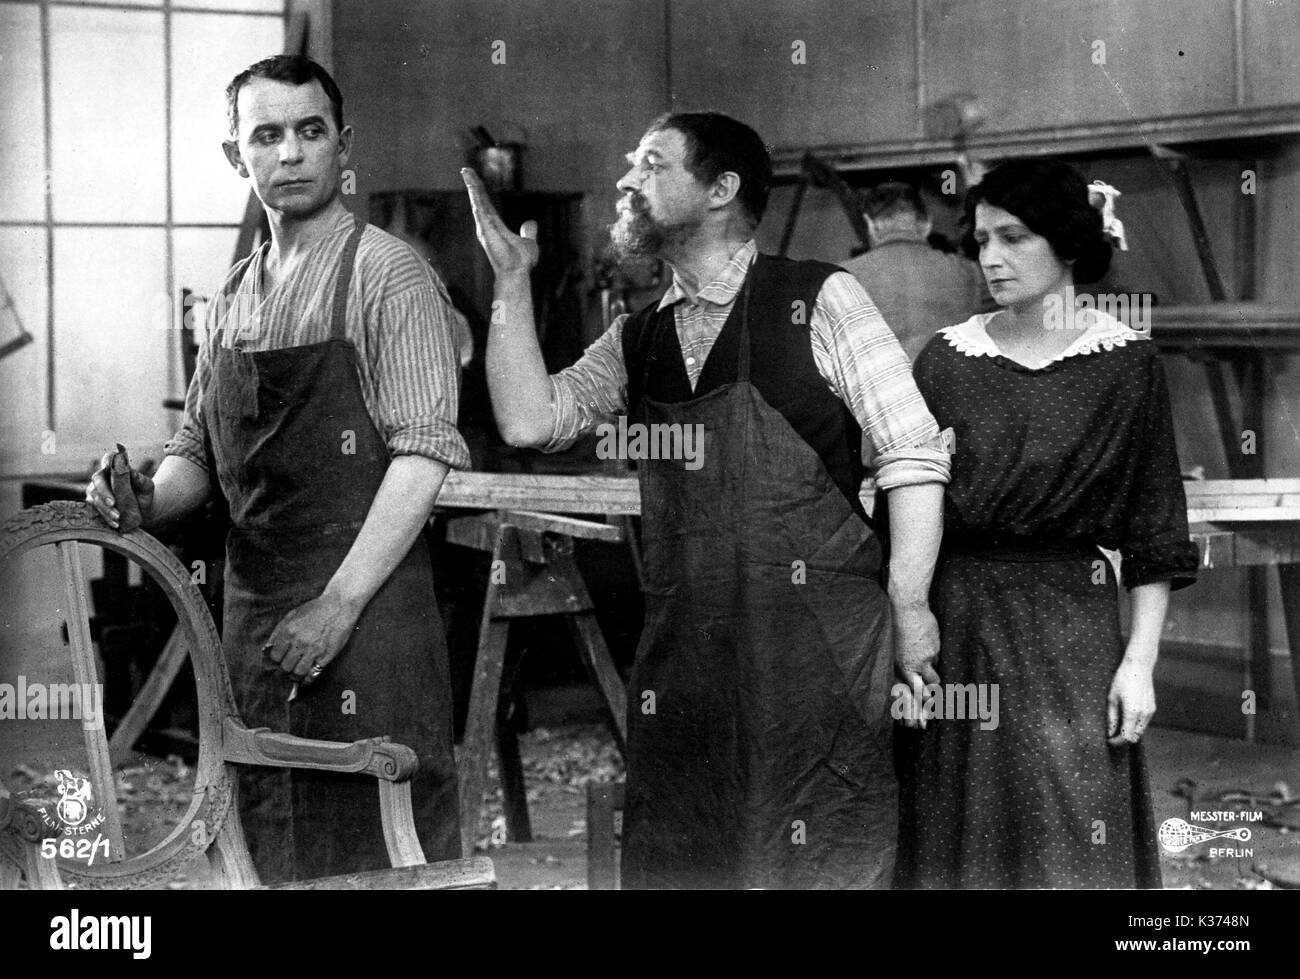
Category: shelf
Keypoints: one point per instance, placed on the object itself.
(1227, 132)
(1234, 325)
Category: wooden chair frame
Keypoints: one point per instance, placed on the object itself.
(211, 824)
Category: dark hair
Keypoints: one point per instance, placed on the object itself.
(1051, 198)
(715, 144)
(294, 69)
(892, 198)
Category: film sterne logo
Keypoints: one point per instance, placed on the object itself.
(1177, 835)
(637, 442)
(74, 814)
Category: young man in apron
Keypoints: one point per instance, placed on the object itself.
(324, 406)
(759, 745)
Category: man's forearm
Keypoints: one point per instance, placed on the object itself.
(517, 376)
(398, 514)
(915, 530)
(180, 487)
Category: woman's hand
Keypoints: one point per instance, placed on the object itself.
(1131, 703)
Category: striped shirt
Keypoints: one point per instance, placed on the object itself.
(399, 319)
(855, 351)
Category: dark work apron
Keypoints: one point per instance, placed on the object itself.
(759, 748)
(280, 424)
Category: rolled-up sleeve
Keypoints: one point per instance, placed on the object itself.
(863, 363)
(189, 442)
(592, 391)
(415, 375)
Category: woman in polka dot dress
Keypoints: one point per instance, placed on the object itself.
(1064, 444)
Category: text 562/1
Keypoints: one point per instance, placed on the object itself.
(69, 849)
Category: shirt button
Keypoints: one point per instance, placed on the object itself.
(690, 361)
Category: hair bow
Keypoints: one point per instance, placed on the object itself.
(1101, 195)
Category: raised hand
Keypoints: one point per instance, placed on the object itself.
(509, 253)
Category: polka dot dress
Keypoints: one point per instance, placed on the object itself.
(1049, 463)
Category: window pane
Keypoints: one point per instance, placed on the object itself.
(22, 154)
(269, 6)
(111, 341)
(22, 372)
(124, 3)
(108, 122)
(207, 51)
(201, 261)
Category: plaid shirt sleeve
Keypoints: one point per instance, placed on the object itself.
(862, 361)
(592, 391)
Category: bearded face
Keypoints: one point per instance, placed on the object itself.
(637, 233)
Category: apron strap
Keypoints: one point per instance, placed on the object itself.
(339, 311)
(742, 355)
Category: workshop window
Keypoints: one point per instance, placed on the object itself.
(116, 196)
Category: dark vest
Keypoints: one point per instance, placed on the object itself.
(781, 363)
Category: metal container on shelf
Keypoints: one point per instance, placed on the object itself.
(499, 163)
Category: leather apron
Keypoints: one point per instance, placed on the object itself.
(760, 746)
(300, 462)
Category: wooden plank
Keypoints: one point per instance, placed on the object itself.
(1241, 487)
(1234, 514)
(150, 698)
(514, 791)
(540, 493)
(1176, 166)
(1232, 324)
(1289, 579)
(475, 873)
(595, 656)
(568, 526)
(77, 616)
(489, 662)
(603, 800)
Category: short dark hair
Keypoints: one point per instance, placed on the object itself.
(891, 199)
(294, 69)
(1051, 198)
(715, 144)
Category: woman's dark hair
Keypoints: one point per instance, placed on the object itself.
(292, 69)
(1051, 198)
(716, 144)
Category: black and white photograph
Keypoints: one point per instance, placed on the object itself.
(670, 445)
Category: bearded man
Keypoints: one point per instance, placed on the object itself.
(759, 736)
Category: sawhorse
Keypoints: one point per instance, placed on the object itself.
(533, 572)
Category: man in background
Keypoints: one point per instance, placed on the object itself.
(917, 289)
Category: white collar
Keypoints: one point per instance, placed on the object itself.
(1102, 332)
